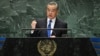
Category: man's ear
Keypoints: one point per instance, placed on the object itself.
(58, 12)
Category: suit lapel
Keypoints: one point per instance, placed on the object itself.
(56, 24)
(45, 23)
(45, 26)
(55, 32)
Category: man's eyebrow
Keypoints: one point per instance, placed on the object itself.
(53, 9)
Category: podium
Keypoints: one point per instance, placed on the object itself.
(65, 47)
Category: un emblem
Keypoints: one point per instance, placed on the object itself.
(47, 47)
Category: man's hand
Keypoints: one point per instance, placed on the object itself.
(33, 24)
(53, 36)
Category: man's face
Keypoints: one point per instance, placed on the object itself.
(52, 11)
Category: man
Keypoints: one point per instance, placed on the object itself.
(51, 22)
(65, 47)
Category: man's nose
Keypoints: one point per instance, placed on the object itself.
(50, 11)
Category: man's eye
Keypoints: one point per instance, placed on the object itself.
(48, 10)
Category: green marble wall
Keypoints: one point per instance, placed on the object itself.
(82, 16)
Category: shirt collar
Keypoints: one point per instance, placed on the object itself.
(53, 20)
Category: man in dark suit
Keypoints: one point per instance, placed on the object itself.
(65, 47)
(50, 22)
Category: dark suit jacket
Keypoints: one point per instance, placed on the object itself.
(42, 23)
